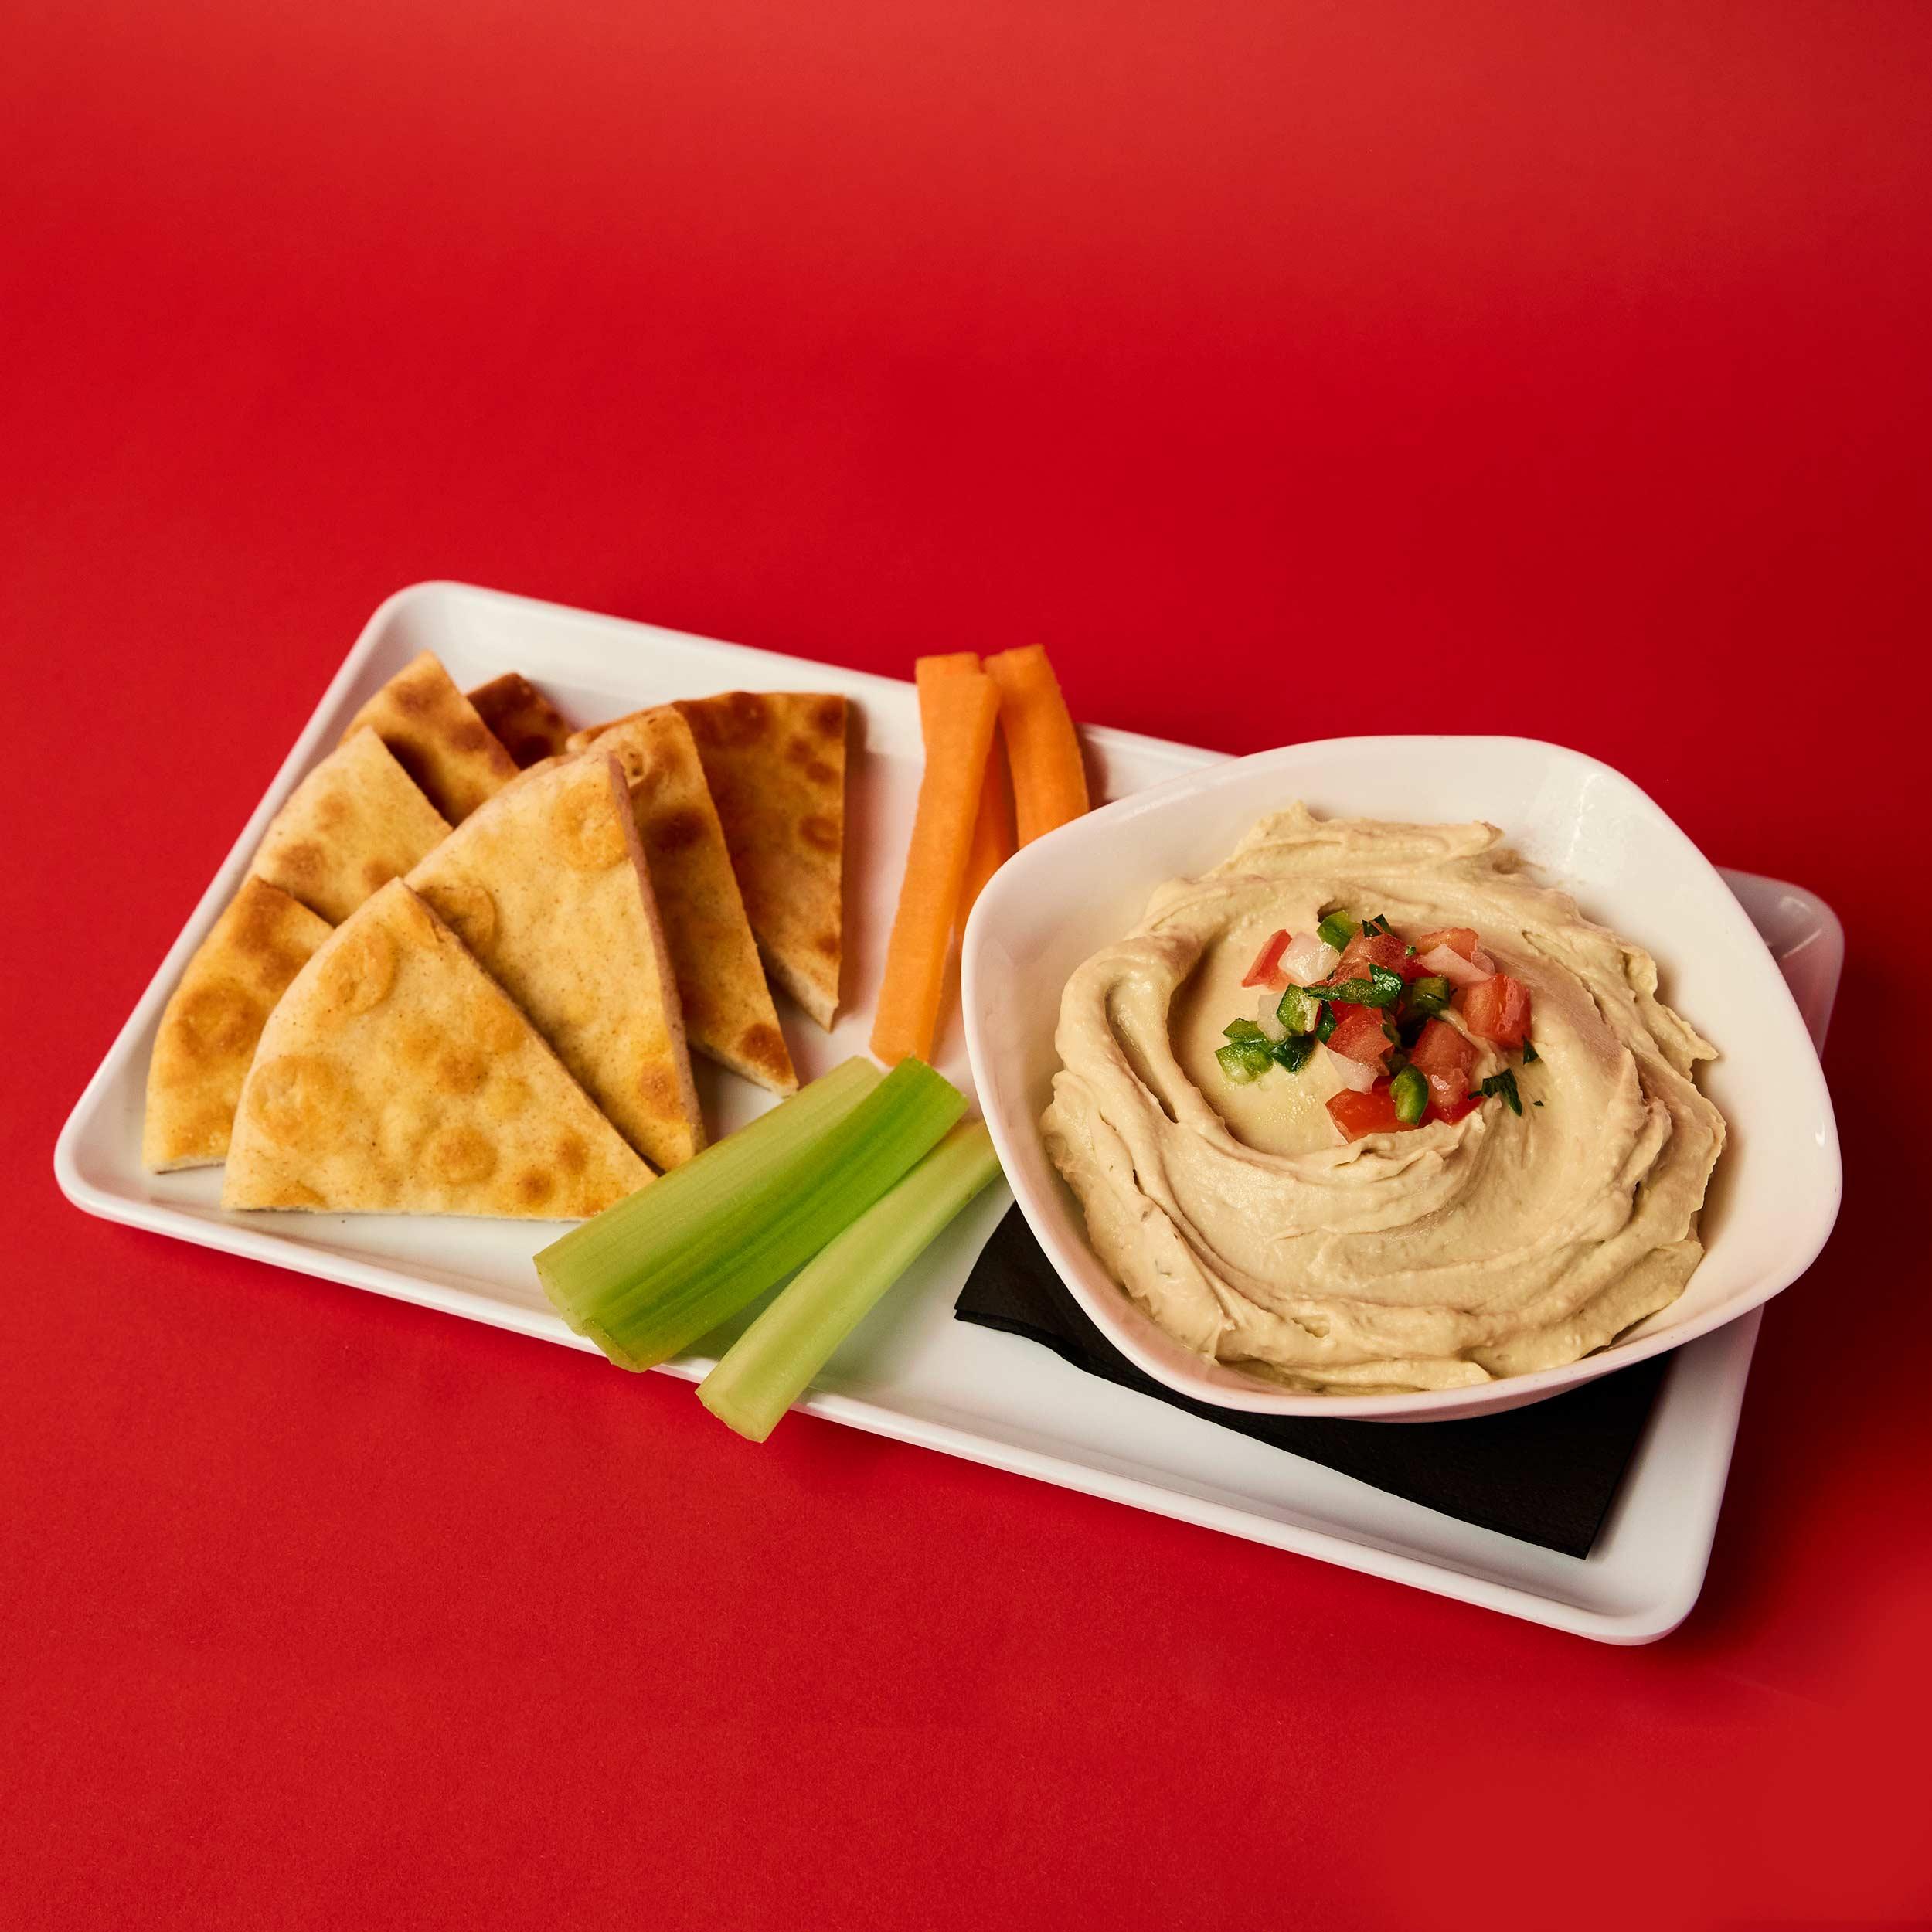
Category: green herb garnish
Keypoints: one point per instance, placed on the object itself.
(1382, 987)
(1378, 925)
(1245, 1061)
(1300, 1010)
(1326, 1024)
(1337, 930)
(1410, 1093)
(1503, 1087)
(1428, 995)
(1293, 1054)
(1530, 1056)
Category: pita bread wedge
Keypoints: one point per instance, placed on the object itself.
(397, 1077)
(437, 738)
(355, 823)
(211, 1023)
(546, 885)
(521, 718)
(776, 765)
(728, 1012)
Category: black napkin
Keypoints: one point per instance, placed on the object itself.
(1544, 1473)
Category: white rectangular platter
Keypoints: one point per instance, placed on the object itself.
(911, 1371)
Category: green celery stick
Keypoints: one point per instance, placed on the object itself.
(694, 1247)
(770, 1365)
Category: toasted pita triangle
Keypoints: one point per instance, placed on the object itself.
(213, 1018)
(546, 885)
(355, 823)
(728, 1012)
(397, 1077)
(776, 764)
(521, 718)
(437, 738)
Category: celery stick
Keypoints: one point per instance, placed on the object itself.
(769, 1366)
(649, 1289)
(582, 1269)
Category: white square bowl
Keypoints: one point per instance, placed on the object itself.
(1584, 827)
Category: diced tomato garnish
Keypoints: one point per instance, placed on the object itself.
(1374, 949)
(1498, 1009)
(1444, 1058)
(1267, 969)
(1452, 1114)
(1458, 939)
(1357, 1114)
(1359, 1035)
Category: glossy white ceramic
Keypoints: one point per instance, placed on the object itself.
(1775, 1194)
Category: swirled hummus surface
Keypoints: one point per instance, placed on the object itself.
(1449, 1254)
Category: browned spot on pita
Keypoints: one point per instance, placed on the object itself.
(463, 1071)
(299, 1098)
(533, 1187)
(301, 863)
(571, 1153)
(827, 944)
(530, 728)
(821, 773)
(764, 1046)
(820, 832)
(459, 1155)
(674, 830)
(657, 1090)
(588, 833)
(358, 971)
(219, 1019)
(828, 717)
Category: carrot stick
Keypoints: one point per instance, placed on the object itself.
(957, 733)
(1049, 780)
(993, 842)
(930, 673)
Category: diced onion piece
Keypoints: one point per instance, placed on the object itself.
(1308, 958)
(1359, 1076)
(1482, 961)
(1266, 1016)
(1446, 963)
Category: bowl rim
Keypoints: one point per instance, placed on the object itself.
(1109, 1317)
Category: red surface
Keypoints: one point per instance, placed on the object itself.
(1181, 337)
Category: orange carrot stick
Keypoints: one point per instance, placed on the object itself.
(930, 673)
(957, 733)
(1049, 780)
(993, 842)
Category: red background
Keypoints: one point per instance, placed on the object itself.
(1552, 369)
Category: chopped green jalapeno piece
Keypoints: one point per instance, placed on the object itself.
(1382, 987)
(1326, 1026)
(1337, 930)
(1503, 1085)
(1244, 1060)
(1293, 1053)
(1430, 995)
(1397, 1060)
(1410, 1093)
(1530, 1056)
(1300, 1010)
(1240, 1029)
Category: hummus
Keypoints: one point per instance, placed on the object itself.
(1448, 1254)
